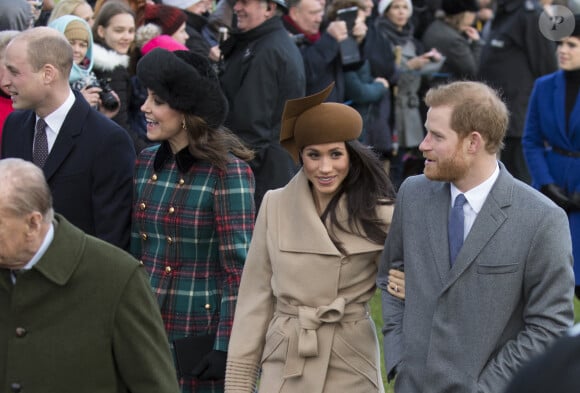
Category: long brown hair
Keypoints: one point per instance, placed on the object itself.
(366, 187)
(214, 145)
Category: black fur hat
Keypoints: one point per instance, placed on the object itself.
(576, 31)
(454, 7)
(186, 81)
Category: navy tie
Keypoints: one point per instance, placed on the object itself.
(455, 229)
(40, 147)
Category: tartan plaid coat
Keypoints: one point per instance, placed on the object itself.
(192, 225)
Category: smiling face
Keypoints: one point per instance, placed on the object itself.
(119, 34)
(326, 166)
(25, 86)
(569, 53)
(251, 13)
(80, 48)
(164, 122)
(444, 152)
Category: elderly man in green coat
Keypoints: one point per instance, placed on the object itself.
(76, 314)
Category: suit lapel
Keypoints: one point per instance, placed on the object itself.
(439, 202)
(488, 221)
(65, 141)
(24, 148)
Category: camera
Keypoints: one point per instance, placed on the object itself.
(108, 99)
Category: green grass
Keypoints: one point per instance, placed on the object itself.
(376, 314)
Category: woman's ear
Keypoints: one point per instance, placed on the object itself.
(101, 31)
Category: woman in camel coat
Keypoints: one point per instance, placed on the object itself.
(302, 314)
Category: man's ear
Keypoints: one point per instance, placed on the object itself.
(34, 222)
(475, 142)
(271, 7)
(49, 73)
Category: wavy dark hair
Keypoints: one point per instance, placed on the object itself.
(366, 186)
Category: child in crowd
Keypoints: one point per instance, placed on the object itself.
(82, 78)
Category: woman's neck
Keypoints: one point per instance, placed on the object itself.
(321, 201)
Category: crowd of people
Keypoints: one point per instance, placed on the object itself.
(203, 196)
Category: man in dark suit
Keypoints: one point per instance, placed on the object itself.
(87, 159)
(76, 313)
(487, 259)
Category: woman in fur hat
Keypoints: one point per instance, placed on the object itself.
(193, 211)
(551, 139)
(302, 315)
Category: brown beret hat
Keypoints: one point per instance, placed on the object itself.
(311, 121)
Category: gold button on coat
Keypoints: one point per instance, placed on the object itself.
(207, 306)
(142, 206)
(181, 182)
(171, 210)
(154, 177)
(144, 236)
(167, 269)
(169, 240)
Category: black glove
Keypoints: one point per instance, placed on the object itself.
(574, 202)
(212, 366)
(557, 194)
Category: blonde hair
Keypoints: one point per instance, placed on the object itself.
(65, 7)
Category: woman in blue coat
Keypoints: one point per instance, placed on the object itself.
(551, 139)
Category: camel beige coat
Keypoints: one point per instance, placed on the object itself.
(302, 315)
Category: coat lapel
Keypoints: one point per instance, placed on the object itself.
(300, 214)
(65, 140)
(64, 254)
(301, 229)
(488, 221)
(439, 203)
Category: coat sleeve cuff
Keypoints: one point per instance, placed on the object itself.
(241, 376)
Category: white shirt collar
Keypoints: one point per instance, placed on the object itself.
(55, 120)
(477, 195)
(42, 249)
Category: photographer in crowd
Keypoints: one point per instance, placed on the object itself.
(320, 50)
(82, 78)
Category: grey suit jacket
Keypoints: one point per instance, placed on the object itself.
(508, 295)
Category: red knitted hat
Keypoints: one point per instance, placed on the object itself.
(168, 18)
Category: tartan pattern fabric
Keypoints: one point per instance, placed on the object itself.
(192, 232)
